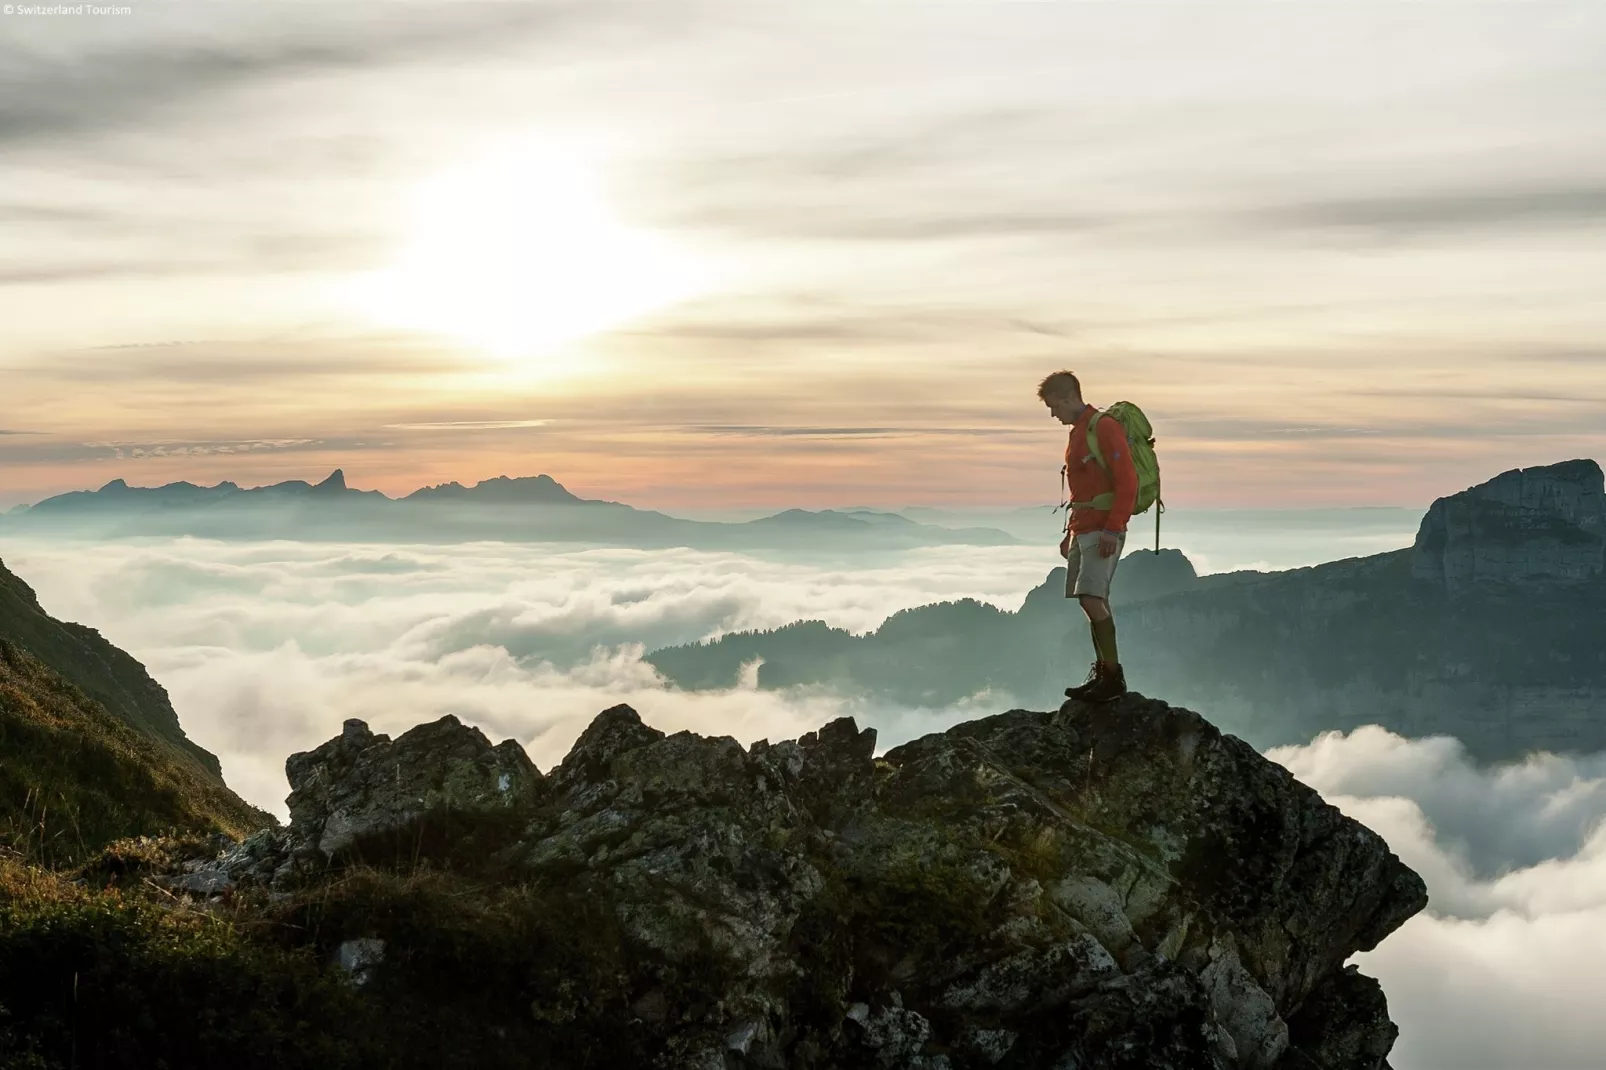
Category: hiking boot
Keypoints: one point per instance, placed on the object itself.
(1110, 685)
(1093, 676)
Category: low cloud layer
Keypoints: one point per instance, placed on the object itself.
(1504, 968)
(265, 648)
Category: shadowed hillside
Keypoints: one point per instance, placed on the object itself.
(106, 674)
(74, 778)
(1491, 628)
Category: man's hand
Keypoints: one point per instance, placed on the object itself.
(1065, 546)
(1108, 544)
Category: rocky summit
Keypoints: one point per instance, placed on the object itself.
(1115, 886)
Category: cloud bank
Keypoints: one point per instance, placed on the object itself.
(1504, 968)
(266, 648)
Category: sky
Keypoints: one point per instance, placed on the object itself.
(748, 255)
(265, 649)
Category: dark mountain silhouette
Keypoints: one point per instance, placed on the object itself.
(90, 748)
(1490, 628)
(500, 490)
(106, 674)
(525, 509)
(74, 777)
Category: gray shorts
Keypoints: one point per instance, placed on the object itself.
(1085, 571)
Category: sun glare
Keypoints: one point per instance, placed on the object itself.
(518, 253)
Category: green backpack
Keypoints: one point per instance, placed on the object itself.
(1140, 439)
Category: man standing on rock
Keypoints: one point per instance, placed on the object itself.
(1101, 504)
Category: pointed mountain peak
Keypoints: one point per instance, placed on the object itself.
(336, 481)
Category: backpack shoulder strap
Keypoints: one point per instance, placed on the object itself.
(1093, 440)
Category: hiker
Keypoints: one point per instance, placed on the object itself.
(1102, 496)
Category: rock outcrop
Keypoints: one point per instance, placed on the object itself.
(360, 785)
(362, 795)
(1529, 526)
(1119, 886)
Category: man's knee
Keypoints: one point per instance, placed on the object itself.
(1095, 607)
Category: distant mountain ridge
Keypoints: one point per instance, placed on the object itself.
(527, 508)
(1491, 627)
(541, 488)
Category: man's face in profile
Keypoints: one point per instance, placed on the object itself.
(1064, 408)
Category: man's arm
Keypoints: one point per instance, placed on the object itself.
(1112, 441)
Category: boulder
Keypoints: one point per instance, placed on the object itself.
(359, 786)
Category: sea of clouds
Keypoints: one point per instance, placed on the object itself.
(265, 648)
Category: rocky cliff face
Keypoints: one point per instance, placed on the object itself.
(1529, 526)
(1117, 887)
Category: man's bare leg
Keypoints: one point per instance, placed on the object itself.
(1101, 622)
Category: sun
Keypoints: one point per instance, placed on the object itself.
(517, 252)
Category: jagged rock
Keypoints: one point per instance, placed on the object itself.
(361, 785)
(613, 732)
(255, 861)
(1541, 525)
(1344, 1024)
(1116, 886)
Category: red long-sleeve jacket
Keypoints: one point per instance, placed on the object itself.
(1086, 478)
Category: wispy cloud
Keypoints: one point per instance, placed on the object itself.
(136, 450)
(1451, 209)
(470, 425)
(915, 227)
(845, 432)
(178, 56)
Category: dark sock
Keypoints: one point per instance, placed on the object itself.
(1104, 641)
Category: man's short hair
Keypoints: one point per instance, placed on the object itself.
(1059, 384)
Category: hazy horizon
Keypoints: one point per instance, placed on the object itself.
(1214, 540)
(692, 254)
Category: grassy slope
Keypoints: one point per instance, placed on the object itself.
(74, 777)
(106, 674)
